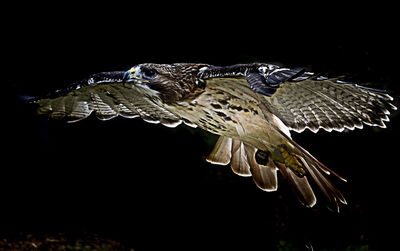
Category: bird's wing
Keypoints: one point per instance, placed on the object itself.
(108, 96)
(301, 100)
(328, 104)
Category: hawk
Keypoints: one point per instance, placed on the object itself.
(253, 107)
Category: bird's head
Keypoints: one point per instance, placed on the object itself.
(171, 81)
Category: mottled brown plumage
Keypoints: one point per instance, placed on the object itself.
(252, 106)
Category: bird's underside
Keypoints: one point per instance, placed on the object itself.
(252, 106)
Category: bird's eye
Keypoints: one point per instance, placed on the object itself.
(148, 73)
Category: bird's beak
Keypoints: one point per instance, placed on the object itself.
(129, 75)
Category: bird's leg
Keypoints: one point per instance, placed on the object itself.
(282, 155)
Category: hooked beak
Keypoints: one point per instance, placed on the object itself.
(133, 75)
(129, 75)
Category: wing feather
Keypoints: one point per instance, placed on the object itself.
(328, 104)
(103, 110)
(108, 96)
(304, 101)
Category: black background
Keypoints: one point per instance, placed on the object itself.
(146, 185)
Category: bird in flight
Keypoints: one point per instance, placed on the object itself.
(253, 107)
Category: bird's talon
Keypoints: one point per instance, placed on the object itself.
(282, 155)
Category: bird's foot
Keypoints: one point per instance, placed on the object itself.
(282, 155)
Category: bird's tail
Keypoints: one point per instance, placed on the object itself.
(314, 170)
(242, 159)
(246, 160)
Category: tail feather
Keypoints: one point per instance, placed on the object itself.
(265, 176)
(333, 194)
(321, 166)
(239, 162)
(299, 185)
(315, 169)
(221, 154)
(242, 159)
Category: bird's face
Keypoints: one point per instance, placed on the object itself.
(146, 75)
(171, 82)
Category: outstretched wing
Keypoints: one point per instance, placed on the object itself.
(328, 104)
(108, 96)
(302, 101)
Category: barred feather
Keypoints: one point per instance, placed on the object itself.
(107, 100)
(326, 104)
